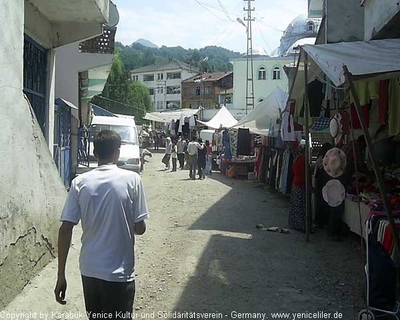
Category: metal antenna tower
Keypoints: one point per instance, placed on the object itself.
(249, 57)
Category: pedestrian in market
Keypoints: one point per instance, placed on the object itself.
(174, 156)
(201, 159)
(167, 155)
(155, 139)
(193, 150)
(181, 145)
(208, 169)
(320, 178)
(110, 203)
(297, 209)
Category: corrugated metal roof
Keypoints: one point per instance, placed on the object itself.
(207, 77)
(171, 65)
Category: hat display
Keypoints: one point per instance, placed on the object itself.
(334, 193)
(334, 162)
(335, 128)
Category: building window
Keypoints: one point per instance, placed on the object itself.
(173, 75)
(207, 90)
(262, 73)
(151, 91)
(276, 74)
(198, 91)
(193, 91)
(160, 76)
(35, 78)
(174, 90)
(310, 26)
(135, 78)
(148, 77)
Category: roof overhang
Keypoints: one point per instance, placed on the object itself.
(56, 23)
(378, 59)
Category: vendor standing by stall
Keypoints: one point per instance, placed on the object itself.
(297, 210)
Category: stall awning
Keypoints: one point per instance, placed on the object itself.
(97, 111)
(68, 104)
(258, 120)
(223, 119)
(165, 117)
(364, 59)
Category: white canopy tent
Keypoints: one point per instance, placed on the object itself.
(223, 119)
(165, 117)
(258, 120)
(364, 59)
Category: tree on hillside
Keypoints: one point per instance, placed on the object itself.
(122, 96)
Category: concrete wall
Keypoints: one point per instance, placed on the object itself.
(69, 62)
(262, 88)
(378, 15)
(31, 192)
(345, 21)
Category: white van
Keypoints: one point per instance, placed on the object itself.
(126, 127)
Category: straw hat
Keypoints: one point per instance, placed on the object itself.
(334, 162)
(334, 193)
(335, 128)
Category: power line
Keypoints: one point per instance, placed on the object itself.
(225, 11)
(267, 25)
(121, 103)
(203, 6)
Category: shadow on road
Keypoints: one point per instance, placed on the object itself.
(248, 270)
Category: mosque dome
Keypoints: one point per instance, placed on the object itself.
(300, 28)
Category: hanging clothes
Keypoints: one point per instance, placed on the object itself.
(394, 107)
(243, 142)
(226, 144)
(287, 127)
(315, 97)
(383, 101)
(172, 127)
(355, 121)
(181, 123)
(192, 122)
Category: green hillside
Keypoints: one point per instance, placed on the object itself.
(211, 58)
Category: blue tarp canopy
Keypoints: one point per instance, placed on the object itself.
(97, 111)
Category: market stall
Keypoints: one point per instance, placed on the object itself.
(358, 78)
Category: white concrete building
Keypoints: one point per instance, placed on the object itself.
(268, 74)
(31, 192)
(381, 20)
(165, 82)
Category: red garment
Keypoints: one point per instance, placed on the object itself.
(292, 107)
(383, 101)
(388, 239)
(209, 150)
(299, 175)
(356, 124)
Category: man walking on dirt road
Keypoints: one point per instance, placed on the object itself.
(111, 204)
(193, 150)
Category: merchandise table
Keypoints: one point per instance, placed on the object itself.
(351, 216)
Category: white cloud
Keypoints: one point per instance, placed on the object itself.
(186, 23)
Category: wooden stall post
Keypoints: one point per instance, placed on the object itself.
(375, 167)
(307, 149)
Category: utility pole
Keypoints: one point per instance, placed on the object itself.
(249, 58)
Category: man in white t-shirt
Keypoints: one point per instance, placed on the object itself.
(193, 150)
(111, 205)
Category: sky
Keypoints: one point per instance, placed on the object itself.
(199, 23)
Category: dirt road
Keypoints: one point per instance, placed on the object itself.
(202, 253)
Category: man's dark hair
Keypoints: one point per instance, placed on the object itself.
(106, 143)
(194, 138)
(200, 140)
